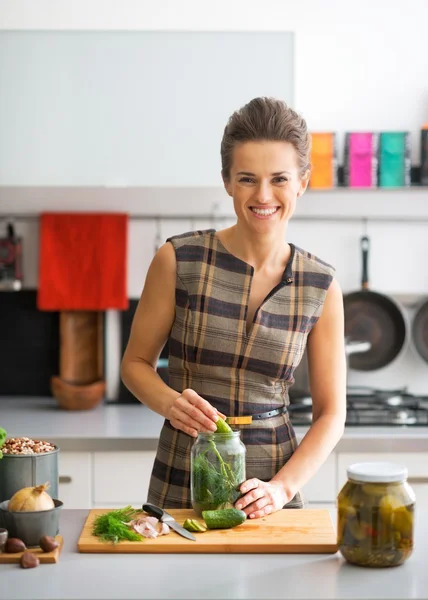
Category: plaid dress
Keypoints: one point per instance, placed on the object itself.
(238, 373)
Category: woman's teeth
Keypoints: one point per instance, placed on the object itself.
(264, 211)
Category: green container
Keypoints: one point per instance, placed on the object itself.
(394, 159)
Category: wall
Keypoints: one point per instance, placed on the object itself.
(359, 66)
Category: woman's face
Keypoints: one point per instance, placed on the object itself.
(264, 184)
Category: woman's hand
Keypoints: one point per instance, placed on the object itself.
(191, 413)
(261, 497)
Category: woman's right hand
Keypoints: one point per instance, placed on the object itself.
(191, 413)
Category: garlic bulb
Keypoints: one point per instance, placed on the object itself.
(31, 499)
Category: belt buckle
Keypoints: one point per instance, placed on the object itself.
(239, 420)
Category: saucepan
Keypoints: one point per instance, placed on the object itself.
(420, 330)
(301, 374)
(376, 318)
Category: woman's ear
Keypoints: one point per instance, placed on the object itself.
(227, 184)
(304, 183)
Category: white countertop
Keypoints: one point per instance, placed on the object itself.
(135, 427)
(212, 576)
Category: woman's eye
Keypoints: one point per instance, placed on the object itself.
(280, 179)
(246, 180)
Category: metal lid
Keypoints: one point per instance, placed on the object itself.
(377, 472)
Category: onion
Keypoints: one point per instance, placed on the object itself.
(31, 499)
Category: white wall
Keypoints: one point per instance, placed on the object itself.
(359, 65)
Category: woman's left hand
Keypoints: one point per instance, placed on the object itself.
(261, 497)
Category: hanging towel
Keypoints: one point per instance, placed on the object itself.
(83, 258)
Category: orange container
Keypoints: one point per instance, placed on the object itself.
(324, 161)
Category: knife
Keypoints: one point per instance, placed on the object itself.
(165, 517)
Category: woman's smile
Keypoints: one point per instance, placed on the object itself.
(265, 212)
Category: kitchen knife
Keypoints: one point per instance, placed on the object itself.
(165, 517)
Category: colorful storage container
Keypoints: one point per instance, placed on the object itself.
(394, 159)
(361, 160)
(324, 161)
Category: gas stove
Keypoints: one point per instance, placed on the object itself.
(368, 406)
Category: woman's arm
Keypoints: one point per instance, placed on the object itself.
(150, 329)
(327, 376)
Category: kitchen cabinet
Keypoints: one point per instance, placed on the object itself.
(322, 487)
(121, 478)
(416, 462)
(75, 479)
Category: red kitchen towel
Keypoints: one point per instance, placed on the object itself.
(83, 258)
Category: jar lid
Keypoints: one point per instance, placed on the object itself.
(377, 472)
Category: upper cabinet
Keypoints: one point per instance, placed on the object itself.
(129, 108)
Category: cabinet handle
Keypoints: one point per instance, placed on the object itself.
(64, 479)
(417, 480)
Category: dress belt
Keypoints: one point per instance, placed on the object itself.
(246, 420)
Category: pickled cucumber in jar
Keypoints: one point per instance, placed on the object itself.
(375, 515)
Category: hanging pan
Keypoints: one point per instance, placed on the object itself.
(375, 318)
(420, 330)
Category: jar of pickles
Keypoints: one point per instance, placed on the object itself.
(375, 515)
(217, 470)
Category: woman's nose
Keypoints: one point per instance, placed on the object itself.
(264, 193)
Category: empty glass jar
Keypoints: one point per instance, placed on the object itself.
(375, 515)
(217, 470)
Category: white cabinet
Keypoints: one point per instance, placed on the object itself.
(416, 463)
(121, 478)
(75, 479)
(322, 486)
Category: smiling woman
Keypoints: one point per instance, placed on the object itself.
(239, 307)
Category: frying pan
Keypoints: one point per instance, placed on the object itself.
(420, 330)
(375, 318)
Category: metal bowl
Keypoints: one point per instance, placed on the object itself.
(30, 526)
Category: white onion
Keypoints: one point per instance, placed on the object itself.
(31, 499)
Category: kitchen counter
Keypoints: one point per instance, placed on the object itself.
(216, 576)
(135, 427)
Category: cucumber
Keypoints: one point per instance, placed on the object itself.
(224, 518)
(194, 525)
(223, 427)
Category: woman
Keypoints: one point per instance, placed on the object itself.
(239, 306)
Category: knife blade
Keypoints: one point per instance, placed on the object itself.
(165, 517)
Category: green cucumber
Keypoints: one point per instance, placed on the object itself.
(224, 518)
(222, 426)
(194, 525)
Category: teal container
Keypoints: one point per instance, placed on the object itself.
(394, 159)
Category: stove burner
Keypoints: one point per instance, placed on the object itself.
(368, 406)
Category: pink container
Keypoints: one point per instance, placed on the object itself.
(362, 157)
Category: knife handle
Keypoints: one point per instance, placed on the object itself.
(153, 510)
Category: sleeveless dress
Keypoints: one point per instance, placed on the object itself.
(238, 373)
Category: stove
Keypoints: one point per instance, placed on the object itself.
(368, 406)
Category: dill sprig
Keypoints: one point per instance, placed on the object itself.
(112, 526)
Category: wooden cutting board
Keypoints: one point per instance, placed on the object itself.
(44, 557)
(286, 531)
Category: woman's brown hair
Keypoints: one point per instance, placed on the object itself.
(266, 119)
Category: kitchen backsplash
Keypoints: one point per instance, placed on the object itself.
(397, 268)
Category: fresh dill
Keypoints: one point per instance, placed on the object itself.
(113, 526)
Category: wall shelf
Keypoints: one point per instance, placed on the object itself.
(212, 204)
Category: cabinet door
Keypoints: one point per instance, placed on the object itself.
(416, 463)
(122, 478)
(322, 487)
(75, 479)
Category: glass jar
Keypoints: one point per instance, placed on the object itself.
(217, 469)
(375, 515)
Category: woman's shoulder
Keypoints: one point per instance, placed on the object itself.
(195, 238)
(313, 263)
